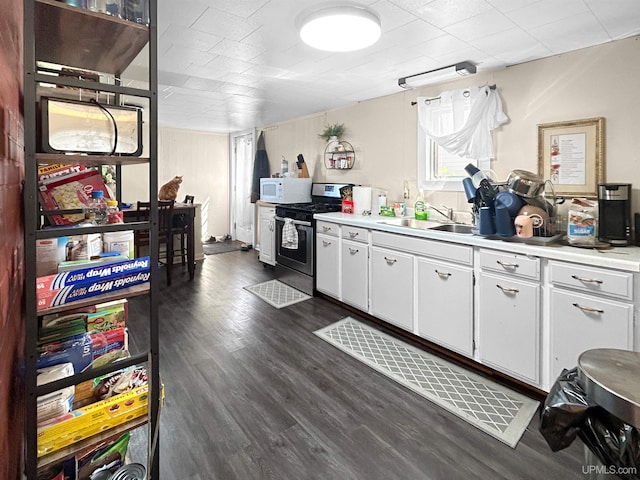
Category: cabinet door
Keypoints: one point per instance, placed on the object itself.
(267, 235)
(509, 326)
(392, 287)
(445, 305)
(581, 322)
(355, 274)
(327, 265)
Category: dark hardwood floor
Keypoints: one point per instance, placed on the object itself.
(252, 393)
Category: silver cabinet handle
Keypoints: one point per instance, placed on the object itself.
(325, 243)
(507, 265)
(507, 289)
(326, 229)
(353, 251)
(443, 274)
(588, 309)
(586, 279)
(390, 261)
(353, 234)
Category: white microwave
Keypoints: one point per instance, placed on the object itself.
(285, 190)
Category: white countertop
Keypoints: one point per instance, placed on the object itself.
(622, 258)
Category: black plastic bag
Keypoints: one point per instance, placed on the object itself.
(614, 442)
(564, 411)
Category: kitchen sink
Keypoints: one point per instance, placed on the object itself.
(453, 228)
(410, 222)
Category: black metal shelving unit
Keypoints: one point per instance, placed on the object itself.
(74, 38)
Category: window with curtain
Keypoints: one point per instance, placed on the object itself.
(455, 130)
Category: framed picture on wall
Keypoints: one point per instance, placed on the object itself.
(571, 156)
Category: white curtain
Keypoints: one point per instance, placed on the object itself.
(443, 120)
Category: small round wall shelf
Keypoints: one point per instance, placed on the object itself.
(339, 155)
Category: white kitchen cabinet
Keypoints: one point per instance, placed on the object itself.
(355, 274)
(509, 325)
(328, 264)
(582, 317)
(392, 286)
(445, 304)
(267, 234)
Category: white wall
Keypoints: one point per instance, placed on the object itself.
(202, 158)
(600, 81)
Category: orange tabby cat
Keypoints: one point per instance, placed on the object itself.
(169, 191)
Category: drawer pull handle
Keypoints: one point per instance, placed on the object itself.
(507, 289)
(588, 309)
(353, 234)
(390, 261)
(353, 251)
(325, 243)
(443, 274)
(586, 279)
(507, 265)
(326, 229)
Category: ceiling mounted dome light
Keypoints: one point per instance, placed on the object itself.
(340, 29)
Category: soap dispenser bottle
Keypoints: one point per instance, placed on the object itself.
(420, 207)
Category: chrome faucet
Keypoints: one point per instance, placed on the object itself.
(449, 212)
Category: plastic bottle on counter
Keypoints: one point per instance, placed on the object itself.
(405, 192)
(420, 207)
(114, 215)
(284, 166)
(98, 207)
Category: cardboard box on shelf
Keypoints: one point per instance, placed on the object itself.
(79, 291)
(50, 253)
(70, 191)
(93, 419)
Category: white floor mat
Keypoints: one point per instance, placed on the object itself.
(277, 294)
(493, 408)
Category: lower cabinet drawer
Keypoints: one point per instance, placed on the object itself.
(510, 264)
(592, 279)
(355, 234)
(581, 322)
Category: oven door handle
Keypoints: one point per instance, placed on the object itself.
(296, 222)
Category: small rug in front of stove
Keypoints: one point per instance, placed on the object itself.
(488, 406)
(277, 294)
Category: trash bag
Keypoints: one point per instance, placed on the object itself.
(568, 412)
(614, 442)
(564, 411)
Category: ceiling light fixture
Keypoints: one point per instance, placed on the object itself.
(340, 29)
(462, 68)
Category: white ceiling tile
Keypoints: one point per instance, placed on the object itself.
(482, 25)
(182, 13)
(508, 5)
(442, 13)
(545, 12)
(578, 32)
(206, 71)
(198, 83)
(618, 26)
(236, 50)
(240, 8)
(231, 65)
(188, 38)
(509, 44)
(173, 60)
(390, 15)
(217, 22)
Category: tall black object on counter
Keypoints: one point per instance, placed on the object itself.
(78, 39)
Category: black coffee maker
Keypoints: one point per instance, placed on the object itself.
(614, 216)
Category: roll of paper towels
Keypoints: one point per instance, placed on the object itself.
(362, 200)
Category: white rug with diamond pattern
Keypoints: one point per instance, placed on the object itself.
(277, 294)
(494, 409)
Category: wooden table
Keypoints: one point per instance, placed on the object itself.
(188, 210)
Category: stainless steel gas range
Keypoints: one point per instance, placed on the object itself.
(296, 266)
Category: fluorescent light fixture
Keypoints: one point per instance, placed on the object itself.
(341, 29)
(462, 68)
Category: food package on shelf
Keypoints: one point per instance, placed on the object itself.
(70, 191)
(77, 350)
(61, 327)
(95, 418)
(107, 319)
(84, 247)
(92, 273)
(59, 402)
(109, 346)
(108, 455)
(102, 259)
(50, 252)
(79, 291)
(119, 382)
(45, 172)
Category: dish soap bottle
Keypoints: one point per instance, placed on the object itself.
(420, 207)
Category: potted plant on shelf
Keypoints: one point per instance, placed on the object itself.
(332, 132)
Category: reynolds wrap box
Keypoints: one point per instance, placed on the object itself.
(79, 291)
(91, 274)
